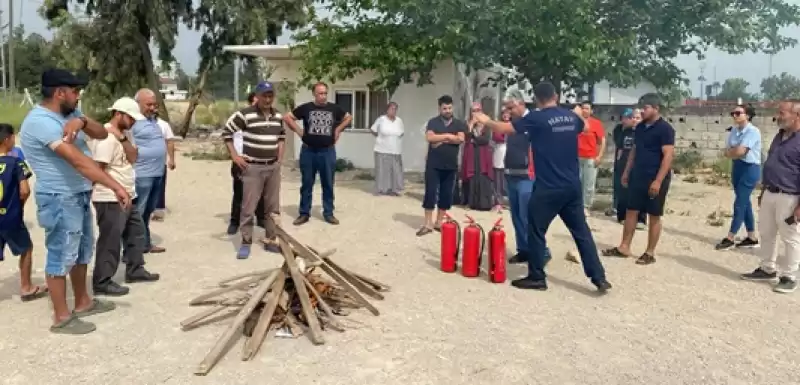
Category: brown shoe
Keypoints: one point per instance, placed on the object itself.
(301, 220)
(332, 220)
(156, 250)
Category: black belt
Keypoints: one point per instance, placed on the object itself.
(776, 190)
(258, 161)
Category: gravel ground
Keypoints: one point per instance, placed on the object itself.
(687, 319)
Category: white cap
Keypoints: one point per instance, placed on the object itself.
(129, 107)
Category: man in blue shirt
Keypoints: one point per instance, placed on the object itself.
(53, 136)
(553, 132)
(647, 176)
(152, 157)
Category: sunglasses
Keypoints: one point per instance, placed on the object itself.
(737, 114)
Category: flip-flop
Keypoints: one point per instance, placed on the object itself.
(97, 307)
(38, 292)
(646, 259)
(615, 252)
(424, 231)
(73, 326)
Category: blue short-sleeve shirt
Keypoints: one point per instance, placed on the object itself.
(41, 128)
(749, 137)
(553, 133)
(648, 141)
(152, 146)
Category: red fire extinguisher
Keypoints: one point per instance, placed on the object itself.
(497, 253)
(472, 248)
(451, 239)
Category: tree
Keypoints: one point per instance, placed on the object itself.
(32, 53)
(183, 79)
(735, 88)
(220, 79)
(568, 41)
(241, 22)
(781, 87)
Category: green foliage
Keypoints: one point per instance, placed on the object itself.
(219, 84)
(12, 112)
(735, 88)
(343, 164)
(781, 87)
(32, 57)
(722, 167)
(217, 153)
(686, 162)
(569, 41)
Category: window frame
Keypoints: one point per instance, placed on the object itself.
(352, 92)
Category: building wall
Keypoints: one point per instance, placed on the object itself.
(416, 106)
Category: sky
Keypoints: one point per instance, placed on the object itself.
(753, 67)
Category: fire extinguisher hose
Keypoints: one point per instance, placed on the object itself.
(483, 245)
(458, 241)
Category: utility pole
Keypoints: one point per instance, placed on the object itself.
(12, 81)
(702, 80)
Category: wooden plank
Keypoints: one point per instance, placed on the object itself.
(252, 345)
(324, 306)
(379, 286)
(225, 339)
(359, 284)
(201, 299)
(313, 257)
(315, 330)
(263, 273)
(190, 322)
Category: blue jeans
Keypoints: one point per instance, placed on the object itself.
(519, 193)
(68, 233)
(313, 161)
(544, 205)
(744, 178)
(148, 190)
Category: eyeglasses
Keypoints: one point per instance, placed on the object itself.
(737, 114)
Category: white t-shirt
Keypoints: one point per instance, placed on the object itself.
(498, 154)
(110, 152)
(238, 142)
(390, 135)
(166, 130)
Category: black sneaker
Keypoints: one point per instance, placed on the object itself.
(759, 275)
(748, 243)
(785, 285)
(529, 284)
(111, 289)
(725, 244)
(232, 229)
(301, 220)
(518, 258)
(602, 286)
(142, 275)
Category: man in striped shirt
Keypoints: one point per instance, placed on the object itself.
(263, 140)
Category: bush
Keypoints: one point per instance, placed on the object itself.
(343, 164)
(218, 152)
(687, 162)
(722, 167)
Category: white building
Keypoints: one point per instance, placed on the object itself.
(169, 89)
(416, 104)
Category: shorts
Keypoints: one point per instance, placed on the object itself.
(68, 233)
(18, 240)
(639, 198)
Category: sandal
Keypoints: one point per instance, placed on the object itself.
(615, 252)
(424, 231)
(73, 326)
(97, 307)
(646, 259)
(38, 292)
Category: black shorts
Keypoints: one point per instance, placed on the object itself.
(639, 198)
(18, 240)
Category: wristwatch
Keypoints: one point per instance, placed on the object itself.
(84, 120)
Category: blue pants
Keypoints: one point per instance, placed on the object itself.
(313, 161)
(519, 193)
(543, 207)
(68, 231)
(162, 196)
(744, 177)
(439, 186)
(148, 190)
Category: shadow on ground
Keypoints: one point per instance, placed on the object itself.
(410, 220)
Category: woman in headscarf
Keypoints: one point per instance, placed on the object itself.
(498, 155)
(476, 166)
(388, 131)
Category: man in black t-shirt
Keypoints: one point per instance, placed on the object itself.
(323, 123)
(444, 135)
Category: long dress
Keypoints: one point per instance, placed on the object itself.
(477, 171)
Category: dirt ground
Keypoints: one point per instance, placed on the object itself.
(687, 319)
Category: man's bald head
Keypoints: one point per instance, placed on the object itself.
(148, 103)
(788, 117)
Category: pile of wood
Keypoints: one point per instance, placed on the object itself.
(293, 299)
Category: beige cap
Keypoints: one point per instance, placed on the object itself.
(129, 107)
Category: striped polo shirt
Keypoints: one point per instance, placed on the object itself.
(261, 133)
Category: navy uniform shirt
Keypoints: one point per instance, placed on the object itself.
(12, 171)
(648, 141)
(782, 167)
(553, 133)
(445, 155)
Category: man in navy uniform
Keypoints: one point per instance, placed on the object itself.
(553, 133)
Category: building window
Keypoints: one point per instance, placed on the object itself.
(365, 106)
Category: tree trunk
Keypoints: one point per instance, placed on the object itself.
(194, 100)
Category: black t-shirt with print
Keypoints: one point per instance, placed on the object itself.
(319, 123)
(445, 155)
(624, 143)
